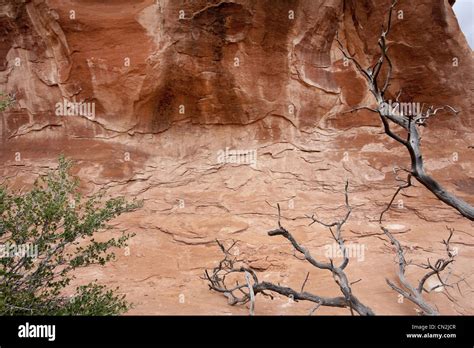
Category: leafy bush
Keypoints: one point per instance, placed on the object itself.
(46, 234)
(5, 101)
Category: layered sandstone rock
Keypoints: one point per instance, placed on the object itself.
(175, 82)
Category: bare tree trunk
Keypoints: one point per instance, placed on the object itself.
(418, 172)
(409, 123)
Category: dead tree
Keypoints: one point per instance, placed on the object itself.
(246, 286)
(415, 293)
(378, 86)
(245, 291)
(249, 287)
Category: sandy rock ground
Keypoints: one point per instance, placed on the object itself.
(190, 199)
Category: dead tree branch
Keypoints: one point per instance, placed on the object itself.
(405, 184)
(410, 123)
(415, 294)
(242, 293)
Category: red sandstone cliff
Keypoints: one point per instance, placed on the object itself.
(174, 82)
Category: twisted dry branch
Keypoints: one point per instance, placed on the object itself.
(408, 123)
(242, 293)
(415, 293)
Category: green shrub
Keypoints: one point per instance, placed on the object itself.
(46, 234)
(5, 101)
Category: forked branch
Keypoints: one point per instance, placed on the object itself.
(415, 293)
(409, 123)
(244, 291)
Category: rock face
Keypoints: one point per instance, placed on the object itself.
(176, 83)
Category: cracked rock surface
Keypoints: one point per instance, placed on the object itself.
(177, 82)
